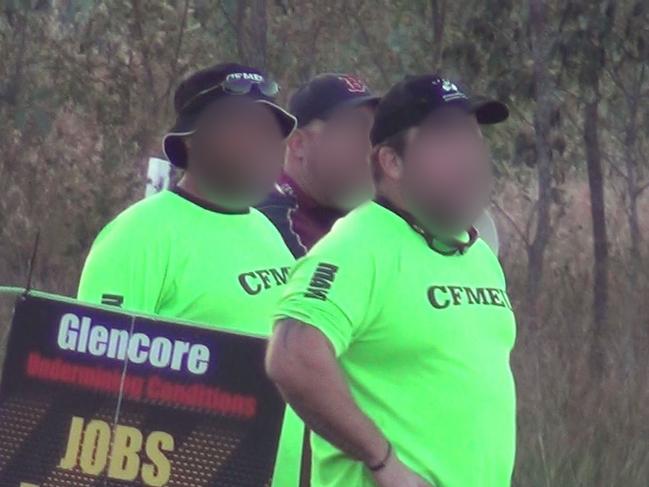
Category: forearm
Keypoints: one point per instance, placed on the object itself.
(338, 420)
(305, 369)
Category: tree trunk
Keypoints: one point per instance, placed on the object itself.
(542, 89)
(11, 103)
(239, 27)
(259, 34)
(631, 163)
(438, 21)
(600, 243)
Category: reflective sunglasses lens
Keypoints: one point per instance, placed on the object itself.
(238, 86)
(268, 88)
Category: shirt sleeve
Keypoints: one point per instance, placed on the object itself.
(126, 267)
(335, 289)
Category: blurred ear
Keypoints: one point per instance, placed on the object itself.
(390, 162)
(296, 143)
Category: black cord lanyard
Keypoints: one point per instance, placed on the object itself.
(435, 243)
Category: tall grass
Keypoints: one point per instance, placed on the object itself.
(577, 429)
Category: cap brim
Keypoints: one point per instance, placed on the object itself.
(286, 120)
(174, 147)
(489, 112)
(372, 100)
(172, 143)
(357, 101)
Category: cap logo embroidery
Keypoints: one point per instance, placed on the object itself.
(449, 85)
(353, 84)
(250, 76)
(450, 89)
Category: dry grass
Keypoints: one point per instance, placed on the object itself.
(576, 430)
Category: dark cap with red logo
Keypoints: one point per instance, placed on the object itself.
(325, 93)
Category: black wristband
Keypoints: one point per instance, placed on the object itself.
(383, 463)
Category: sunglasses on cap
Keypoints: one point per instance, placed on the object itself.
(239, 85)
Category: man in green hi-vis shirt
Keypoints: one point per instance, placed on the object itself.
(200, 252)
(394, 334)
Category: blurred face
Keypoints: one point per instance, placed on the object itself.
(237, 150)
(446, 170)
(336, 157)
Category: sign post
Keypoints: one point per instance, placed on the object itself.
(158, 176)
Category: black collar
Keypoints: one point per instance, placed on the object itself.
(433, 242)
(208, 205)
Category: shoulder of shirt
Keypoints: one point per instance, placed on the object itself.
(488, 256)
(371, 219)
(145, 216)
(364, 229)
(265, 227)
(151, 213)
(481, 245)
(260, 217)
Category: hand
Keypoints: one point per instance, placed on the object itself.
(396, 474)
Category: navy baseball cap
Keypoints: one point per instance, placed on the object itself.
(411, 100)
(202, 88)
(318, 98)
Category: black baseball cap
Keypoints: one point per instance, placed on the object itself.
(202, 88)
(411, 100)
(318, 98)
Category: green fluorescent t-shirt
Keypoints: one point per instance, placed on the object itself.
(168, 256)
(423, 340)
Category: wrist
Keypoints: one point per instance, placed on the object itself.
(378, 465)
